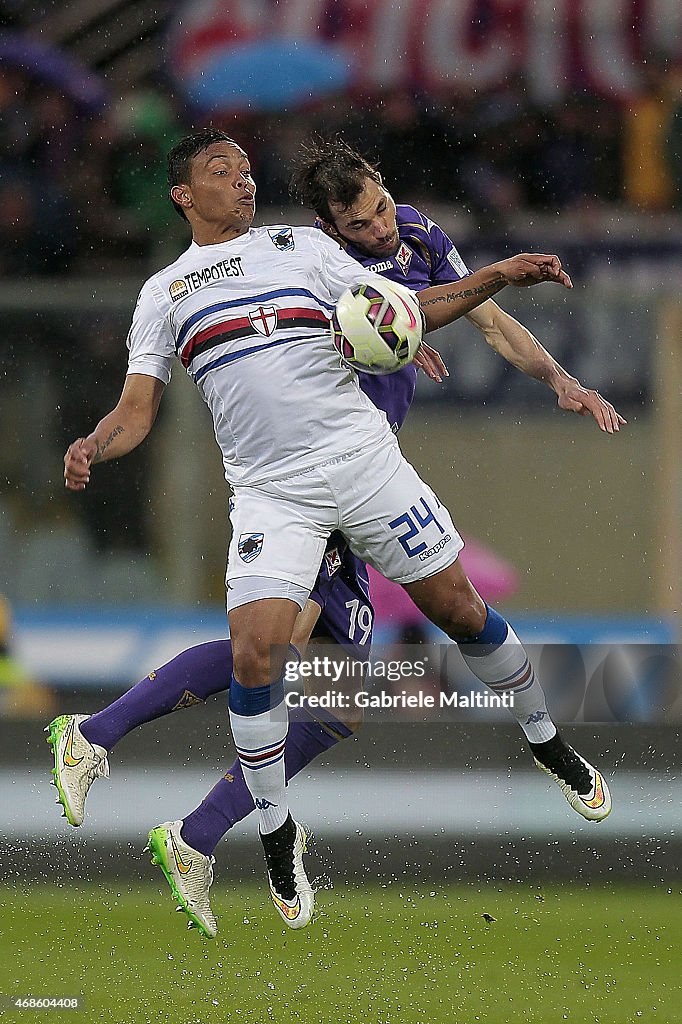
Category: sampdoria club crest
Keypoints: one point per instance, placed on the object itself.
(250, 546)
(283, 238)
(264, 320)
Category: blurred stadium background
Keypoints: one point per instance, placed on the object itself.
(515, 124)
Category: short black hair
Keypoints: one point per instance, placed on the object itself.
(183, 153)
(329, 170)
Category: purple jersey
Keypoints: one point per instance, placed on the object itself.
(425, 256)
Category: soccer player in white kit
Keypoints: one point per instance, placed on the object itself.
(304, 451)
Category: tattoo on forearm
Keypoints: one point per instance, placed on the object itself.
(466, 293)
(102, 447)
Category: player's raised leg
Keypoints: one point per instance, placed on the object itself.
(260, 631)
(188, 679)
(230, 800)
(497, 657)
(185, 681)
(406, 533)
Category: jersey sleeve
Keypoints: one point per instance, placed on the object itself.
(448, 265)
(150, 342)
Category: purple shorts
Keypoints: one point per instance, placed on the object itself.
(342, 589)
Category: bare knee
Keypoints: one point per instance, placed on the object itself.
(253, 664)
(463, 617)
(260, 632)
(450, 601)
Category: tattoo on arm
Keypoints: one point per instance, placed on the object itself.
(466, 293)
(102, 447)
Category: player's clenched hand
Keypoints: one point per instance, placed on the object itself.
(77, 461)
(430, 361)
(531, 268)
(574, 397)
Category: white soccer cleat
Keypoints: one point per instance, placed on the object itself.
(290, 890)
(583, 786)
(77, 763)
(188, 872)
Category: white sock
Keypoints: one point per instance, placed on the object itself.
(260, 741)
(506, 669)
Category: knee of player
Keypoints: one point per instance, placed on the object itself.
(463, 617)
(253, 665)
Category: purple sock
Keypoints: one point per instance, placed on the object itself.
(230, 800)
(186, 680)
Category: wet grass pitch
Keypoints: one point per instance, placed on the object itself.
(410, 955)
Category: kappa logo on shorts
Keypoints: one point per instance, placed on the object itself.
(332, 560)
(423, 555)
(250, 546)
(283, 238)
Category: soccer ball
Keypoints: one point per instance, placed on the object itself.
(377, 329)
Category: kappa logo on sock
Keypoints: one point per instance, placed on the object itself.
(263, 804)
(188, 700)
(229, 777)
(537, 716)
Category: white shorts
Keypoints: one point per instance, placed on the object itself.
(390, 517)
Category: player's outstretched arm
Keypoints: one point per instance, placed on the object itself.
(447, 302)
(118, 433)
(517, 345)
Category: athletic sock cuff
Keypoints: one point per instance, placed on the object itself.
(493, 634)
(254, 700)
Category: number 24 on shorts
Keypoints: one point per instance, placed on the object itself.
(415, 521)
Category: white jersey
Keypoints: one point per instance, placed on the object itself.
(249, 320)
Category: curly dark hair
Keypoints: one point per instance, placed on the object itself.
(181, 156)
(329, 170)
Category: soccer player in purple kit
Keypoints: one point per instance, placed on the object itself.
(355, 209)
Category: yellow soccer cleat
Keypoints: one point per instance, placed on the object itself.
(290, 890)
(188, 872)
(77, 763)
(583, 786)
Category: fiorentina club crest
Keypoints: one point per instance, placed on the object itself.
(264, 320)
(333, 560)
(403, 258)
